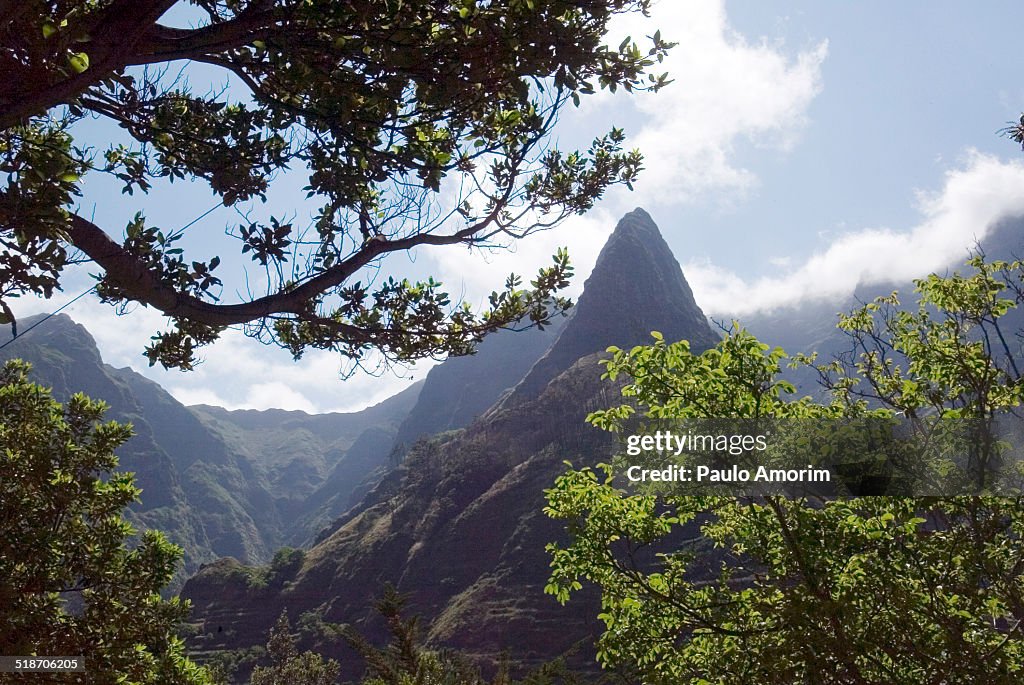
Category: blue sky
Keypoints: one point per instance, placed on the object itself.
(906, 89)
(803, 147)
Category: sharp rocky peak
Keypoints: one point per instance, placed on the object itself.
(636, 287)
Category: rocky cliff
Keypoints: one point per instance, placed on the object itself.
(460, 525)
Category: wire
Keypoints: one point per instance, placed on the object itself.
(67, 304)
(198, 218)
(48, 316)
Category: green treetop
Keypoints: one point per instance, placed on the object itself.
(416, 123)
(707, 589)
(69, 584)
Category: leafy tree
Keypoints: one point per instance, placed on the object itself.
(289, 667)
(405, 661)
(950, 357)
(877, 590)
(286, 562)
(417, 123)
(69, 585)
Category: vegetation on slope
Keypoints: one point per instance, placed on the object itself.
(70, 582)
(836, 591)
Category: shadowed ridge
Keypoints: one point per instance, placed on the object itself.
(636, 287)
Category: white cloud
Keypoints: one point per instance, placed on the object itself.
(194, 395)
(473, 274)
(974, 197)
(726, 89)
(276, 393)
(237, 372)
(240, 373)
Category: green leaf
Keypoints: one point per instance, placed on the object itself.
(79, 62)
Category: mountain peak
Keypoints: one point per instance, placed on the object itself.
(636, 287)
(57, 331)
(638, 219)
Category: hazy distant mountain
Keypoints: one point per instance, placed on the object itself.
(313, 463)
(219, 483)
(459, 526)
(811, 326)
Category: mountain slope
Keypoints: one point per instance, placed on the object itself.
(459, 526)
(462, 388)
(219, 483)
(312, 463)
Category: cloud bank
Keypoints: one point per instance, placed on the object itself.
(726, 90)
(974, 197)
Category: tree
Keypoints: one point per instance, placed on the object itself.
(406, 661)
(816, 590)
(291, 667)
(418, 123)
(69, 584)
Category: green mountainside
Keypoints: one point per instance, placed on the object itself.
(459, 525)
(313, 464)
(219, 483)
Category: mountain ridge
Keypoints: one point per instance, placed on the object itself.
(636, 286)
(202, 488)
(459, 525)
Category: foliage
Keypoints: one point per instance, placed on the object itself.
(404, 661)
(282, 568)
(950, 357)
(739, 378)
(69, 585)
(225, 664)
(416, 123)
(286, 562)
(289, 666)
(1015, 131)
(870, 590)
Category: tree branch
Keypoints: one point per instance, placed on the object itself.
(120, 27)
(164, 43)
(139, 283)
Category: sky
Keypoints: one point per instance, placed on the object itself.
(803, 148)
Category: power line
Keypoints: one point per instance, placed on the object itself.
(198, 218)
(48, 316)
(70, 302)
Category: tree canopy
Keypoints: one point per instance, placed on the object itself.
(69, 584)
(415, 122)
(404, 660)
(288, 665)
(704, 588)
